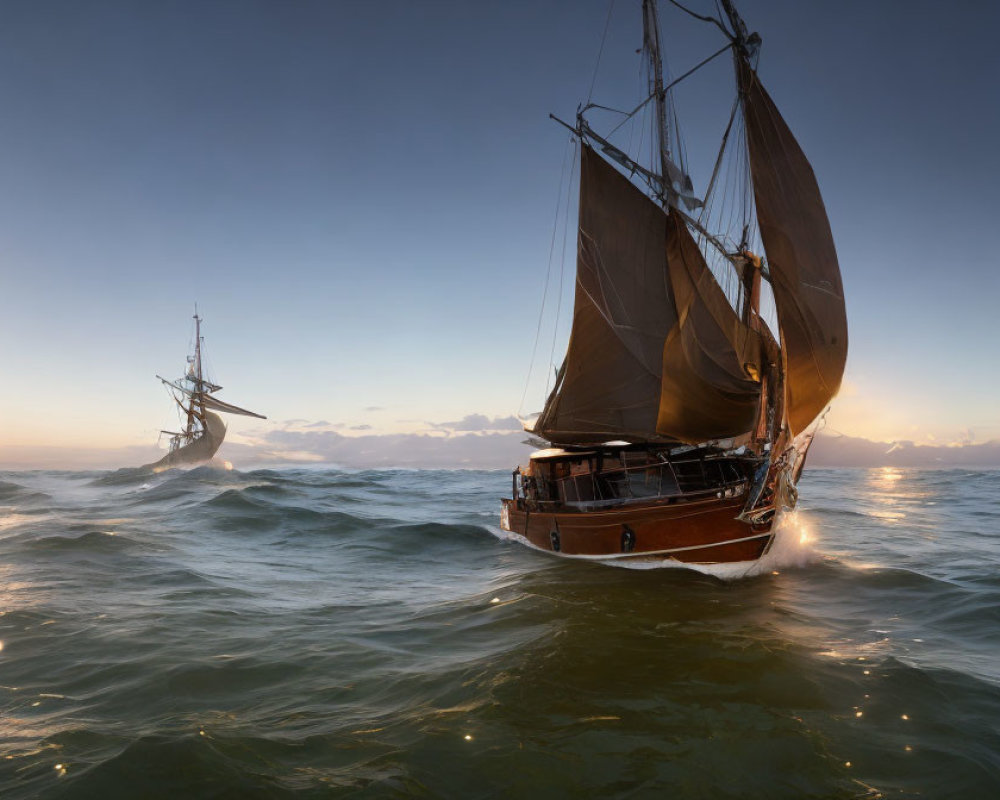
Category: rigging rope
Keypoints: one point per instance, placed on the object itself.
(713, 20)
(562, 268)
(718, 161)
(666, 89)
(548, 278)
(600, 52)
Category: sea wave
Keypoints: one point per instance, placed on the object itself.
(266, 633)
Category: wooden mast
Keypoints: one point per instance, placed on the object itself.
(651, 41)
(745, 43)
(198, 371)
(196, 398)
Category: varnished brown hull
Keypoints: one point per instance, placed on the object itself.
(704, 531)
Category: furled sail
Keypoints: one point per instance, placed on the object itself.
(655, 353)
(229, 408)
(802, 259)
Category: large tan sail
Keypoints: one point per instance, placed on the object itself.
(623, 310)
(656, 353)
(711, 360)
(802, 259)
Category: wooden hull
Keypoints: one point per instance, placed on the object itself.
(704, 531)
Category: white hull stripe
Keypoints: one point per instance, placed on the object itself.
(643, 553)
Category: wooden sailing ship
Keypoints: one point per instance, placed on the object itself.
(204, 430)
(678, 423)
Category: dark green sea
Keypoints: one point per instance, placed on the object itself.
(326, 633)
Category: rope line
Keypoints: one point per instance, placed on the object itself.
(548, 280)
(600, 52)
(562, 272)
(713, 20)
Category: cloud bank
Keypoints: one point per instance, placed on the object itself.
(474, 442)
(849, 451)
(478, 450)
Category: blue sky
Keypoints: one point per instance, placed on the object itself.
(360, 197)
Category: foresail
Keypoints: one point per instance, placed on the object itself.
(610, 387)
(801, 257)
(709, 355)
(219, 405)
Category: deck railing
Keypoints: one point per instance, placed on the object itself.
(647, 481)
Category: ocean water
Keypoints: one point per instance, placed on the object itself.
(325, 633)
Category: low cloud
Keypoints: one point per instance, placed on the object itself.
(437, 450)
(480, 423)
(451, 448)
(850, 451)
(448, 448)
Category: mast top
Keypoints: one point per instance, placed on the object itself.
(747, 44)
(651, 43)
(197, 348)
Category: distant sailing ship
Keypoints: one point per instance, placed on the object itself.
(678, 425)
(203, 431)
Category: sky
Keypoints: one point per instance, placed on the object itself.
(360, 197)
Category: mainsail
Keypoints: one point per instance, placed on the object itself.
(656, 353)
(802, 259)
(610, 386)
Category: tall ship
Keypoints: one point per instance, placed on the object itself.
(203, 430)
(680, 418)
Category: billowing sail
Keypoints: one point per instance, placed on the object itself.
(198, 451)
(610, 387)
(802, 259)
(229, 408)
(708, 356)
(655, 353)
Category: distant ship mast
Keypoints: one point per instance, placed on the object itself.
(196, 397)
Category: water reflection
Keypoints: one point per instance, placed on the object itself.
(640, 669)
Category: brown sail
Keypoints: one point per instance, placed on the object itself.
(656, 353)
(709, 355)
(610, 387)
(802, 259)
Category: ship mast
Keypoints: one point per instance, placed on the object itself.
(196, 396)
(651, 43)
(746, 44)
